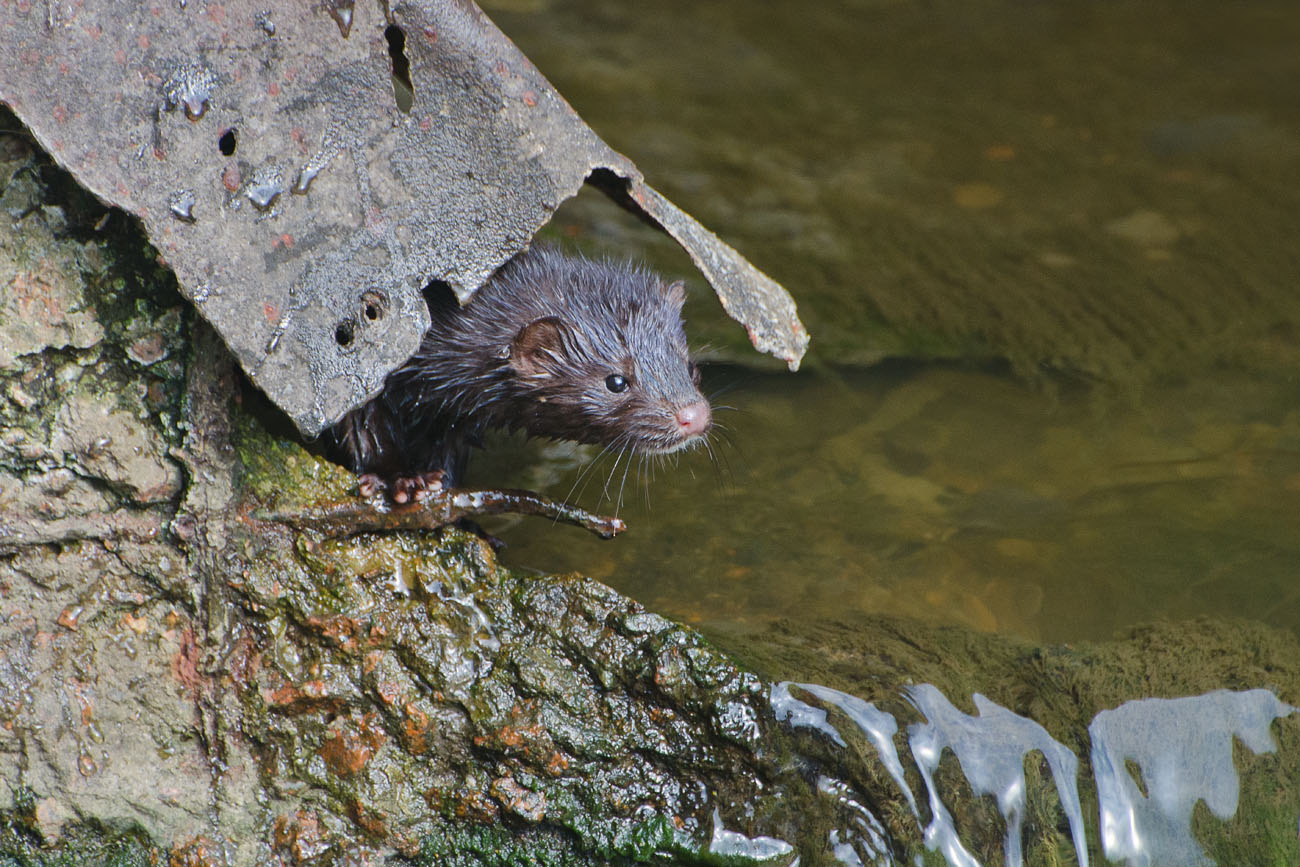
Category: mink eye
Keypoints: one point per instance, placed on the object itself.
(616, 383)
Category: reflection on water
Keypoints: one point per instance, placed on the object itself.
(1105, 187)
(962, 496)
(1181, 748)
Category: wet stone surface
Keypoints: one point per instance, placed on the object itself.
(479, 696)
(89, 355)
(96, 716)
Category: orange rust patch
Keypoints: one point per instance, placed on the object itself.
(185, 664)
(348, 749)
(389, 691)
(415, 730)
(69, 616)
(199, 852)
(345, 753)
(338, 628)
(556, 764)
(300, 836)
(475, 806)
(285, 695)
(135, 624)
(368, 820)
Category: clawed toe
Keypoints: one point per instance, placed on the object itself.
(370, 484)
(414, 489)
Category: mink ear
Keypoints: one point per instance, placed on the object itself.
(676, 292)
(537, 346)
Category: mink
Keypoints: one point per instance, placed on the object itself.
(557, 346)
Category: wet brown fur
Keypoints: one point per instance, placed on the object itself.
(533, 350)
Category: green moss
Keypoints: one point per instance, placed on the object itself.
(652, 841)
(482, 846)
(80, 845)
(276, 471)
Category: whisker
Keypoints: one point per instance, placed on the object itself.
(727, 436)
(586, 473)
(723, 476)
(621, 485)
(647, 476)
(604, 493)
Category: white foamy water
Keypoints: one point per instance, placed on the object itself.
(1182, 749)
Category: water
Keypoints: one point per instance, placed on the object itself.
(1108, 188)
(1090, 209)
(960, 496)
(1182, 749)
(1047, 256)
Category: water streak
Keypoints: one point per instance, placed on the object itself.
(991, 748)
(878, 726)
(733, 844)
(1181, 748)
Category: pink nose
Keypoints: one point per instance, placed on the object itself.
(694, 419)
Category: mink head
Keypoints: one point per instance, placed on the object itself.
(603, 356)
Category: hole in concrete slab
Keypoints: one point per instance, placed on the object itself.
(345, 332)
(403, 89)
(228, 141)
(374, 305)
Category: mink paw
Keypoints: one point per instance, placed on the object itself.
(414, 489)
(370, 484)
(405, 489)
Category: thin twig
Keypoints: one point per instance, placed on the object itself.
(437, 509)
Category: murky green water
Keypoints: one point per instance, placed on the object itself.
(967, 497)
(1105, 197)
